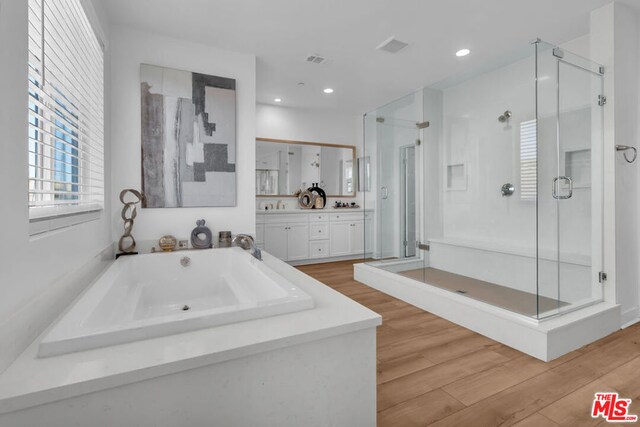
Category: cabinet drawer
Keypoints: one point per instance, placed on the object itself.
(319, 217)
(286, 218)
(346, 216)
(318, 231)
(319, 248)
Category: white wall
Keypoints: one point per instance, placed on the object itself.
(627, 117)
(34, 271)
(311, 125)
(131, 48)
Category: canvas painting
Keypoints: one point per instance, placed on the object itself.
(188, 138)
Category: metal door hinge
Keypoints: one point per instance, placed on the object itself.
(422, 125)
(602, 100)
(558, 53)
(602, 276)
(405, 243)
(422, 246)
(418, 142)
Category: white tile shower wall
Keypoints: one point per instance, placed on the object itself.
(130, 48)
(300, 124)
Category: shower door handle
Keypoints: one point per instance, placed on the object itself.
(556, 189)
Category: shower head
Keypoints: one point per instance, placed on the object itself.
(505, 116)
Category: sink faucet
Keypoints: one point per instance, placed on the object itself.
(246, 242)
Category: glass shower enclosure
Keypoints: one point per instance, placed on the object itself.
(489, 184)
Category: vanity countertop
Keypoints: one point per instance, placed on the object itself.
(310, 211)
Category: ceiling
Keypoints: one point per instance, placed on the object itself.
(282, 33)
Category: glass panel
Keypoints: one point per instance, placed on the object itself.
(480, 182)
(570, 203)
(505, 186)
(391, 133)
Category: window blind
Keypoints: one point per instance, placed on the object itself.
(65, 111)
(528, 160)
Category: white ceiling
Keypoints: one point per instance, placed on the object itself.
(281, 33)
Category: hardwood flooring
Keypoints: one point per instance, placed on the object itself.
(433, 372)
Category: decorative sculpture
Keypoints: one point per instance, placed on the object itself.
(204, 242)
(127, 244)
(318, 194)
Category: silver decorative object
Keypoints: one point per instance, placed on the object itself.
(201, 242)
(127, 244)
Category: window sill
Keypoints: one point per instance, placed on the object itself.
(44, 225)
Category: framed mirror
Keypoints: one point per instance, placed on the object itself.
(283, 167)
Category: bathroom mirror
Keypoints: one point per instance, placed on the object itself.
(283, 167)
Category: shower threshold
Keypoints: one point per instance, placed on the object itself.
(514, 300)
(546, 338)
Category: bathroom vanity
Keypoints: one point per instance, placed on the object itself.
(304, 236)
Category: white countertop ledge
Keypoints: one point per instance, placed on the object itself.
(32, 381)
(311, 211)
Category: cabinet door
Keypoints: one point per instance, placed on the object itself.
(275, 240)
(259, 234)
(339, 238)
(356, 234)
(298, 242)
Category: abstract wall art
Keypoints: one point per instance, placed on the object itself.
(188, 138)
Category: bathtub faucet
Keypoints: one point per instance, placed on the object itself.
(246, 242)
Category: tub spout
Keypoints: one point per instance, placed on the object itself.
(246, 242)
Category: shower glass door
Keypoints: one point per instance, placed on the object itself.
(391, 142)
(570, 123)
(408, 200)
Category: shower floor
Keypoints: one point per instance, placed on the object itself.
(497, 295)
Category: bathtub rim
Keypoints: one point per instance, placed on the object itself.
(76, 374)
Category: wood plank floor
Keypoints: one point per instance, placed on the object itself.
(433, 372)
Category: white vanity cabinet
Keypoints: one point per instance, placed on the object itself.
(347, 233)
(314, 235)
(286, 236)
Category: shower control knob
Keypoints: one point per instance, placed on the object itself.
(507, 189)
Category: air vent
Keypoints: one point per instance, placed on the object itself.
(315, 59)
(392, 45)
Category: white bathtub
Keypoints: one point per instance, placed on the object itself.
(147, 296)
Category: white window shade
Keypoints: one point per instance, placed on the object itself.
(528, 160)
(66, 111)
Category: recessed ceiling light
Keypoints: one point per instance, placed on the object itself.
(328, 90)
(277, 100)
(463, 52)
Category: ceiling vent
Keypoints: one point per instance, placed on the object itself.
(392, 45)
(315, 59)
